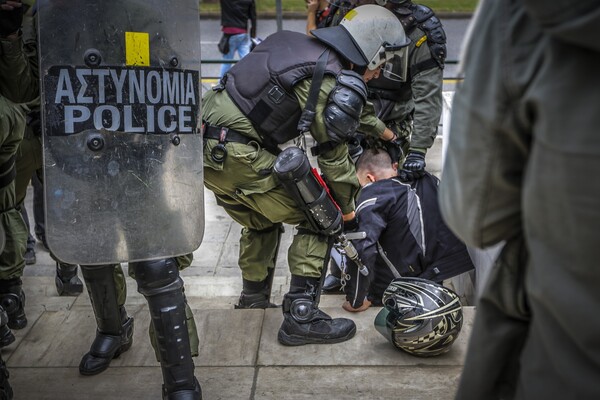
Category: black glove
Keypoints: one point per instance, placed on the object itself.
(10, 21)
(350, 226)
(394, 149)
(414, 166)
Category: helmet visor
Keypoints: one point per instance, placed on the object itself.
(396, 66)
(382, 326)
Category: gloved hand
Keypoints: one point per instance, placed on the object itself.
(414, 166)
(11, 17)
(394, 149)
(351, 225)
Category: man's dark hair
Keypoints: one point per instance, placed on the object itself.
(373, 159)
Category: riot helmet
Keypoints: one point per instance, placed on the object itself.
(368, 36)
(420, 317)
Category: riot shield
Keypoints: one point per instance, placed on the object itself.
(120, 113)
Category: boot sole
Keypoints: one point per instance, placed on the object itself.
(295, 340)
(120, 350)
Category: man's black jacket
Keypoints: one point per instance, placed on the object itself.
(406, 236)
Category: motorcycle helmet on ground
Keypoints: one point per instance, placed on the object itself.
(420, 317)
(368, 36)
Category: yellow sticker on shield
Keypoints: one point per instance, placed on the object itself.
(137, 48)
(351, 14)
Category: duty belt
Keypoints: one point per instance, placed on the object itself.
(226, 135)
(223, 135)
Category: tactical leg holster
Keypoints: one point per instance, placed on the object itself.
(12, 299)
(161, 285)
(303, 321)
(115, 329)
(67, 281)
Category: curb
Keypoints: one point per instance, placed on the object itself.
(302, 15)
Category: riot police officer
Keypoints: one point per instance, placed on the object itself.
(120, 111)
(410, 102)
(18, 84)
(288, 85)
(29, 160)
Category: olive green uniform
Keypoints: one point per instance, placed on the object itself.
(18, 84)
(248, 190)
(522, 167)
(416, 117)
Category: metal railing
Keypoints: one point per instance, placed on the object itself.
(222, 61)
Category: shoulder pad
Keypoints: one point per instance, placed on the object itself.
(353, 81)
(434, 30)
(421, 12)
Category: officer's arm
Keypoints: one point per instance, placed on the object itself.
(427, 95)
(335, 164)
(17, 79)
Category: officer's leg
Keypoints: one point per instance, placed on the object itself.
(303, 321)
(6, 338)
(12, 297)
(161, 285)
(115, 329)
(183, 262)
(258, 248)
(259, 245)
(66, 280)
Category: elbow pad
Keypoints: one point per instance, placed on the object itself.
(344, 106)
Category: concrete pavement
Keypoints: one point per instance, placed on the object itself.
(240, 357)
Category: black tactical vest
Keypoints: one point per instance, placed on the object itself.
(261, 84)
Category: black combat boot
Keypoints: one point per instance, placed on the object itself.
(6, 392)
(12, 299)
(67, 281)
(303, 322)
(256, 294)
(114, 334)
(6, 335)
(106, 347)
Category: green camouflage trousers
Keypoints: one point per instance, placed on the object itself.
(246, 188)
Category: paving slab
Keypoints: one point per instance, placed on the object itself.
(359, 382)
(128, 383)
(368, 347)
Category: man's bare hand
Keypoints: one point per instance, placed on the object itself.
(365, 305)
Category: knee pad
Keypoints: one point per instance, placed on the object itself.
(157, 276)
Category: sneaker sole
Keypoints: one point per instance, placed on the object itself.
(295, 340)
